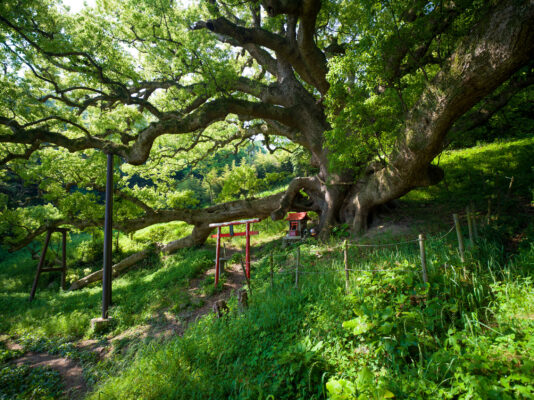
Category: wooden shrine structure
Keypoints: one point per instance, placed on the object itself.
(297, 225)
(231, 234)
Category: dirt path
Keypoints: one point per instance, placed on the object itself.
(165, 326)
(71, 373)
(234, 281)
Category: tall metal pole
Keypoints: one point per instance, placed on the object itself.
(108, 224)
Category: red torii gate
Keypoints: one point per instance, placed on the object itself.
(219, 235)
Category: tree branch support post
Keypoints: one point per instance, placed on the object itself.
(423, 257)
(461, 247)
(346, 263)
(40, 265)
(108, 238)
(63, 259)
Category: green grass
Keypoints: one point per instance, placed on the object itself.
(419, 341)
(467, 335)
(390, 335)
(137, 295)
(480, 173)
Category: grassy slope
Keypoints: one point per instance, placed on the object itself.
(469, 336)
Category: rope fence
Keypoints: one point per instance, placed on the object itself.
(421, 240)
(383, 244)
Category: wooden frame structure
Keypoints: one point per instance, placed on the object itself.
(63, 267)
(219, 235)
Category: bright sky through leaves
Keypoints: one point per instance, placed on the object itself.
(77, 5)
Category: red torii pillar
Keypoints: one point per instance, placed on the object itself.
(219, 235)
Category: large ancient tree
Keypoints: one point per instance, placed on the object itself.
(369, 89)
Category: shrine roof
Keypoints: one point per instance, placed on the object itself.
(300, 216)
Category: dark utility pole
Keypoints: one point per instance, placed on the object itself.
(108, 224)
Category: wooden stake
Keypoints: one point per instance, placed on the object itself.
(510, 187)
(346, 262)
(469, 225)
(246, 276)
(242, 300)
(297, 269)
(489, 212)
(423, 257)
(461, 247)
(271, 261)
(474, 218)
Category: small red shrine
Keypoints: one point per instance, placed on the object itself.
(297, 225)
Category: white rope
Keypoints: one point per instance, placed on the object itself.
(398, 243)
(343, 269)
(447, 234)
(383, 245)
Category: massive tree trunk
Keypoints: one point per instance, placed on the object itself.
(499, 46)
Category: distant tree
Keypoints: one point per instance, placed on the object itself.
(239, 182)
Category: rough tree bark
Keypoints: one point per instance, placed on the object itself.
(501, 44)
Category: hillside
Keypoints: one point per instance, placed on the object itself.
(466, 334)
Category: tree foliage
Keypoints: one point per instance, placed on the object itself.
(360, 94)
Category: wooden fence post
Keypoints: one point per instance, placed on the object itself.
(470, 225)
(246, 276)
(510, 188)
(272, 270)
(423, 257)
(473, 217)
(346, 262)
(297, 269)
(460, 237)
